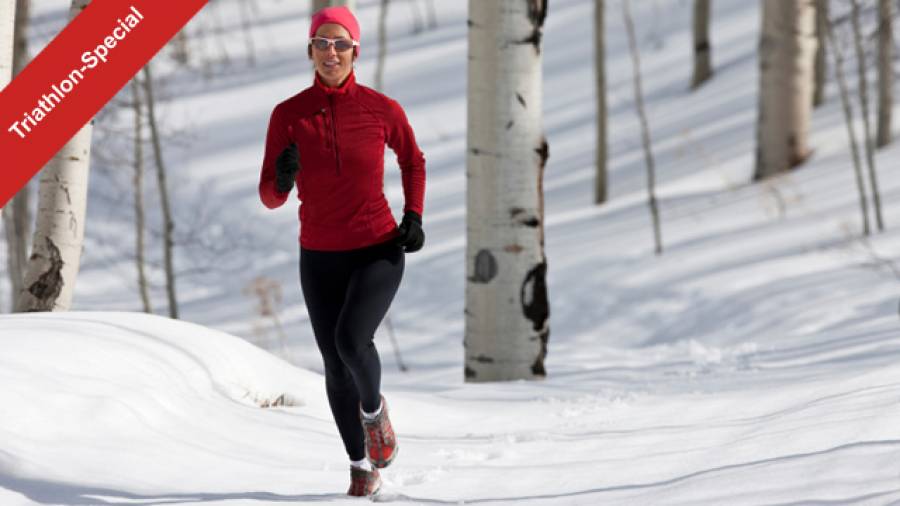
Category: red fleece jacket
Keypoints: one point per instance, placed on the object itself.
(340, 134)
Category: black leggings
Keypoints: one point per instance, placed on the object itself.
(347, 294)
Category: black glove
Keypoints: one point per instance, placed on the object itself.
(411, 235)
(286, 166)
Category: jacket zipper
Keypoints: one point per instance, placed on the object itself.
(334, 144)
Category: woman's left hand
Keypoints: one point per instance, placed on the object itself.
(411, 237)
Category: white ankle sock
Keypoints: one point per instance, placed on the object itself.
(375, 414)
(361, 464)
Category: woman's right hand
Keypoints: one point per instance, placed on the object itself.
(286, 167)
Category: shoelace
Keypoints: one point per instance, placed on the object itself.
(376, 429)
(376, 435)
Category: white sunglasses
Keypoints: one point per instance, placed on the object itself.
(340, 44)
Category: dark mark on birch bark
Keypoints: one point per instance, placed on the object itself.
(537, 13)
(536, 307)
(485, 267)
(49, 285)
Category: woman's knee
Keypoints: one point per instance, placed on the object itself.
(351, 345)
(338, 378)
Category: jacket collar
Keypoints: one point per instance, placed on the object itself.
(343, 89)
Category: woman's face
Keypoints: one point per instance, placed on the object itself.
(333, 66)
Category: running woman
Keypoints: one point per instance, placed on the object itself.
(329, 141)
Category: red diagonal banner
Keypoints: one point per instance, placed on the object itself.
(76, 75)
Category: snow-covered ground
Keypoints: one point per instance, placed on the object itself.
(754, 362)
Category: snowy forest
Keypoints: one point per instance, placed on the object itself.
(661, 262)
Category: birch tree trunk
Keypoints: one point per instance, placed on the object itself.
(600, 186)
(885, 72)
(786, 55)
(17, 225)
(837, 55)
(7, 30)
(418, 24)
(821, 71)
(180, 49)
(247, 21)
(702, 47)
(382, 45)
(168, 222)
(432, 13)
(318, 5)
(507, 309)
(59, 233)
(864, 101)
(17, 214)
(139, 225)
(645, 128)
(20, 36)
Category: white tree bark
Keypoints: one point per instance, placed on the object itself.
(600, 183)
(507, 309)
(702, 47)
(59, 233)
(885, 72)
(7, 29)
(786, 56)
(17, 214)
(56, 248)
(17, 225)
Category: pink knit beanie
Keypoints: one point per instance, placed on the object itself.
(338, 15)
